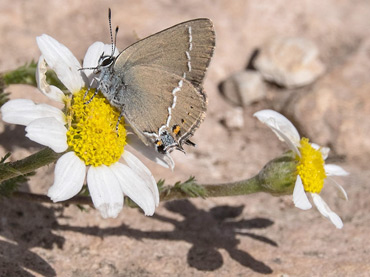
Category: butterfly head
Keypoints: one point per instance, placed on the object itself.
(105, 61)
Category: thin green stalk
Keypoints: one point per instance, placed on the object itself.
(26, 75)
(277, 178)
(21, 167)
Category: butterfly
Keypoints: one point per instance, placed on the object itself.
(156, 83)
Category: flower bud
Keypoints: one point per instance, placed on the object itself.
(278, 176)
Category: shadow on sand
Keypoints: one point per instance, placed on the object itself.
(207, 231)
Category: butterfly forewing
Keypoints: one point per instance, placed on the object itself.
(184, 48)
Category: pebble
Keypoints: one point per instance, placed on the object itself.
(243, 88)
(234, 119)
(290, 62)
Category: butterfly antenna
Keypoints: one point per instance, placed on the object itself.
(115, 40)
(110, 29)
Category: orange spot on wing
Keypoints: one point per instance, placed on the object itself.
(176, 130)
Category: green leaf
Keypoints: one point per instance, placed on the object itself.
(160, 185)
(3, 97)
(7, 187)
(191, 188)
(3, 159)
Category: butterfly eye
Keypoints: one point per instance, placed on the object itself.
(107, 61)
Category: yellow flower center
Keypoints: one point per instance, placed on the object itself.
(92, 133)
(311, 167)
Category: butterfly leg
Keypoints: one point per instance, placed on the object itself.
(189, 142)
(95, 79)
(118, 121)
(92, 97)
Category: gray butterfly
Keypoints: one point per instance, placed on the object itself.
(156, 83)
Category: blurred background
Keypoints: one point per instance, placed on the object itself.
(309, 60)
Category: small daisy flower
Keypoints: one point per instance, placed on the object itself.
(86, 134)
(311, 167)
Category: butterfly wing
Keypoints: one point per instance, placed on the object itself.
(163, 75)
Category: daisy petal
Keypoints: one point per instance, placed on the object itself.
(24, 111)
(335, 170)
(51, 92)
(341, 192)
(325, 152)
(93, 55)
(134, 187)
(49, 132)
(62, 61)
(326, 211)
(277, 121)
(291, 144)
(69, 177)
(299, 196)
(141, 170)
(164, 160)
(105, 191)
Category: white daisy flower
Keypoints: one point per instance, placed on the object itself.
(311, 168)
(87, 134)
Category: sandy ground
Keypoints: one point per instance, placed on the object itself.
(236, 236)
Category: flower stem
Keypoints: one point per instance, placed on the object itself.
(26, 75)
(243, 187)
(277, 178)
(31, 163)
